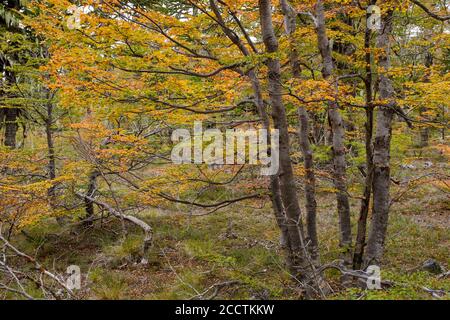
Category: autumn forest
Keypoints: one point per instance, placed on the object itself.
(224, 149)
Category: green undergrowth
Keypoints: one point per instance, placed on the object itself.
(192, 256)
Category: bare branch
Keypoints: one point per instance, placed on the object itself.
(431, 14)
(148, 231)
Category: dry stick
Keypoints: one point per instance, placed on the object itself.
(23, 293)
(37, 265)
(216, 287)
(365, 276)
(321, 286)
(19, 284)
(13, 274)
(3, 263)
(148, 231)
(39, 282)
(178, 276)
(354, 273)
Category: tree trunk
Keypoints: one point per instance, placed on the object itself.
(303, 132)
(381, 157)
(51, 165)
(10, 114)
(277, 203)
(310, 185)
(318, 129)
(340, 181)
(338, 132)
(424, 136)
(11, 127)
(425, 131)
(275, 192)
(88, 203)
(302, 265)
(50, 143)
(365, 202)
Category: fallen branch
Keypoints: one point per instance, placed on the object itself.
(37, 265)
(360, 274)
(217, 287)
(148, 231)
(435, 293)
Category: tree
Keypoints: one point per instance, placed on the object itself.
(103, 98)
(11, 28)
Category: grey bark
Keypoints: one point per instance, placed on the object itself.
(88, 203)
(425, 131)
(365, 202)
(381, 156)
(51, 156)
(424, 135)
(338, 132)
(275, 193)
(310, 184)
(148, 231)
(11, 126)
(9, 115)
(50, 153)
(302, 266)
(303, 133)
(50, 142)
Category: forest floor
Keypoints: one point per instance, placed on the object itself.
(235, 254)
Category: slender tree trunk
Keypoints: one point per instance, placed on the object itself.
(303, 131)
(425, 131)
(302, 265)
(365, 202)
(50, 142)
(88, 203)
(10, 114)
(424, 136)
(51, 165)
(275, 192)
(340, 181)
(338, 132)
(11, 127)
(310, 185)
(381, 156)
(318, 129)
(51, 149)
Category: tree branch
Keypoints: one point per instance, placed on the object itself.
(431, 14)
